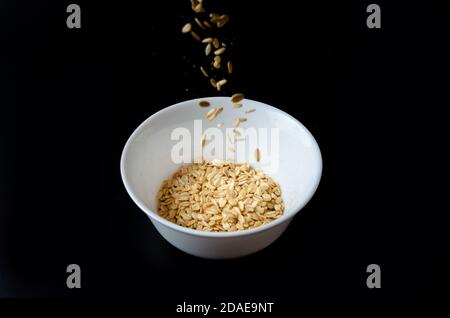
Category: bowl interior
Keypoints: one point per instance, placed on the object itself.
(289, 153)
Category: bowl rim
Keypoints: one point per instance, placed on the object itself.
(154, 215)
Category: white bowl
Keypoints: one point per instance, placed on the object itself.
(146, 161)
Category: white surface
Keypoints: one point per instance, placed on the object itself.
(146, 162)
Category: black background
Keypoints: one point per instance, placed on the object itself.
(373, 98)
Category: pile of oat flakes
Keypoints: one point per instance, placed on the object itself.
(219, 196)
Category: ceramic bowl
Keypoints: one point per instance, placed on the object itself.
(289, 154)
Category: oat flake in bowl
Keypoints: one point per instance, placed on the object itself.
(219, 196)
